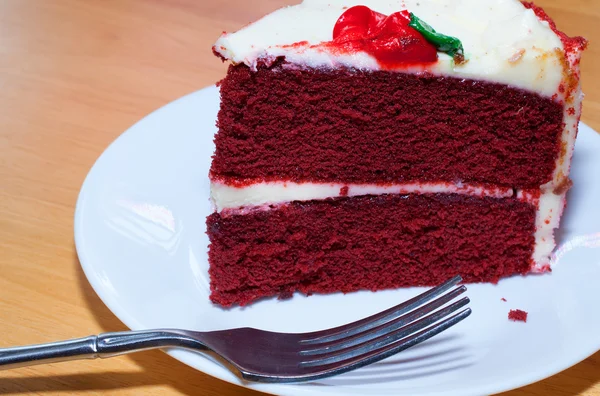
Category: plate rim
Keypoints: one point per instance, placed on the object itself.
(216, 370)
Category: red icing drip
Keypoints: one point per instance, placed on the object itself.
(571, 44)
(388, 39)
(297, 45)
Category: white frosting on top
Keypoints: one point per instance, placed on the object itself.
(503, 41)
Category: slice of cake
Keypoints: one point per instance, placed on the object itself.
(381, 144)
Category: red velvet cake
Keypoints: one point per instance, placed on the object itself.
(383, 144)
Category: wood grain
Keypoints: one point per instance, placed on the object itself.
(73, 76)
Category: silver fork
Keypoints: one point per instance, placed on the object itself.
(266, 356)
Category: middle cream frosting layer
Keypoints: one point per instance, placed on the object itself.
(503, 41)
(226, 196)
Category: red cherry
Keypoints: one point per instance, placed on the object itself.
(355, 23)
(387, 38)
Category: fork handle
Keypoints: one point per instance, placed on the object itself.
(97, 346)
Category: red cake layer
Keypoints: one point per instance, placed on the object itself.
(377, 126)
(367, 242)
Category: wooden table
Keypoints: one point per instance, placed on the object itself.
(73, 76)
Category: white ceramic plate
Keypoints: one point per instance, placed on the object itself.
(140, 236)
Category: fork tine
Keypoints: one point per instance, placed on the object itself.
(388, 350)
(380, 318)
(385, 328)
(385, 339)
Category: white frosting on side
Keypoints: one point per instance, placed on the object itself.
(571, 116)
(225, 196)
(503, 41)
(549, 210)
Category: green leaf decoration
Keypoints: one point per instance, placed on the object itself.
(450, 45)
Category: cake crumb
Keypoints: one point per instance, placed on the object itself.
(503, 299)
(516, 315)
(563, 186)
(517, 56)
(344, 191)
(459, 59)
(285, 295)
